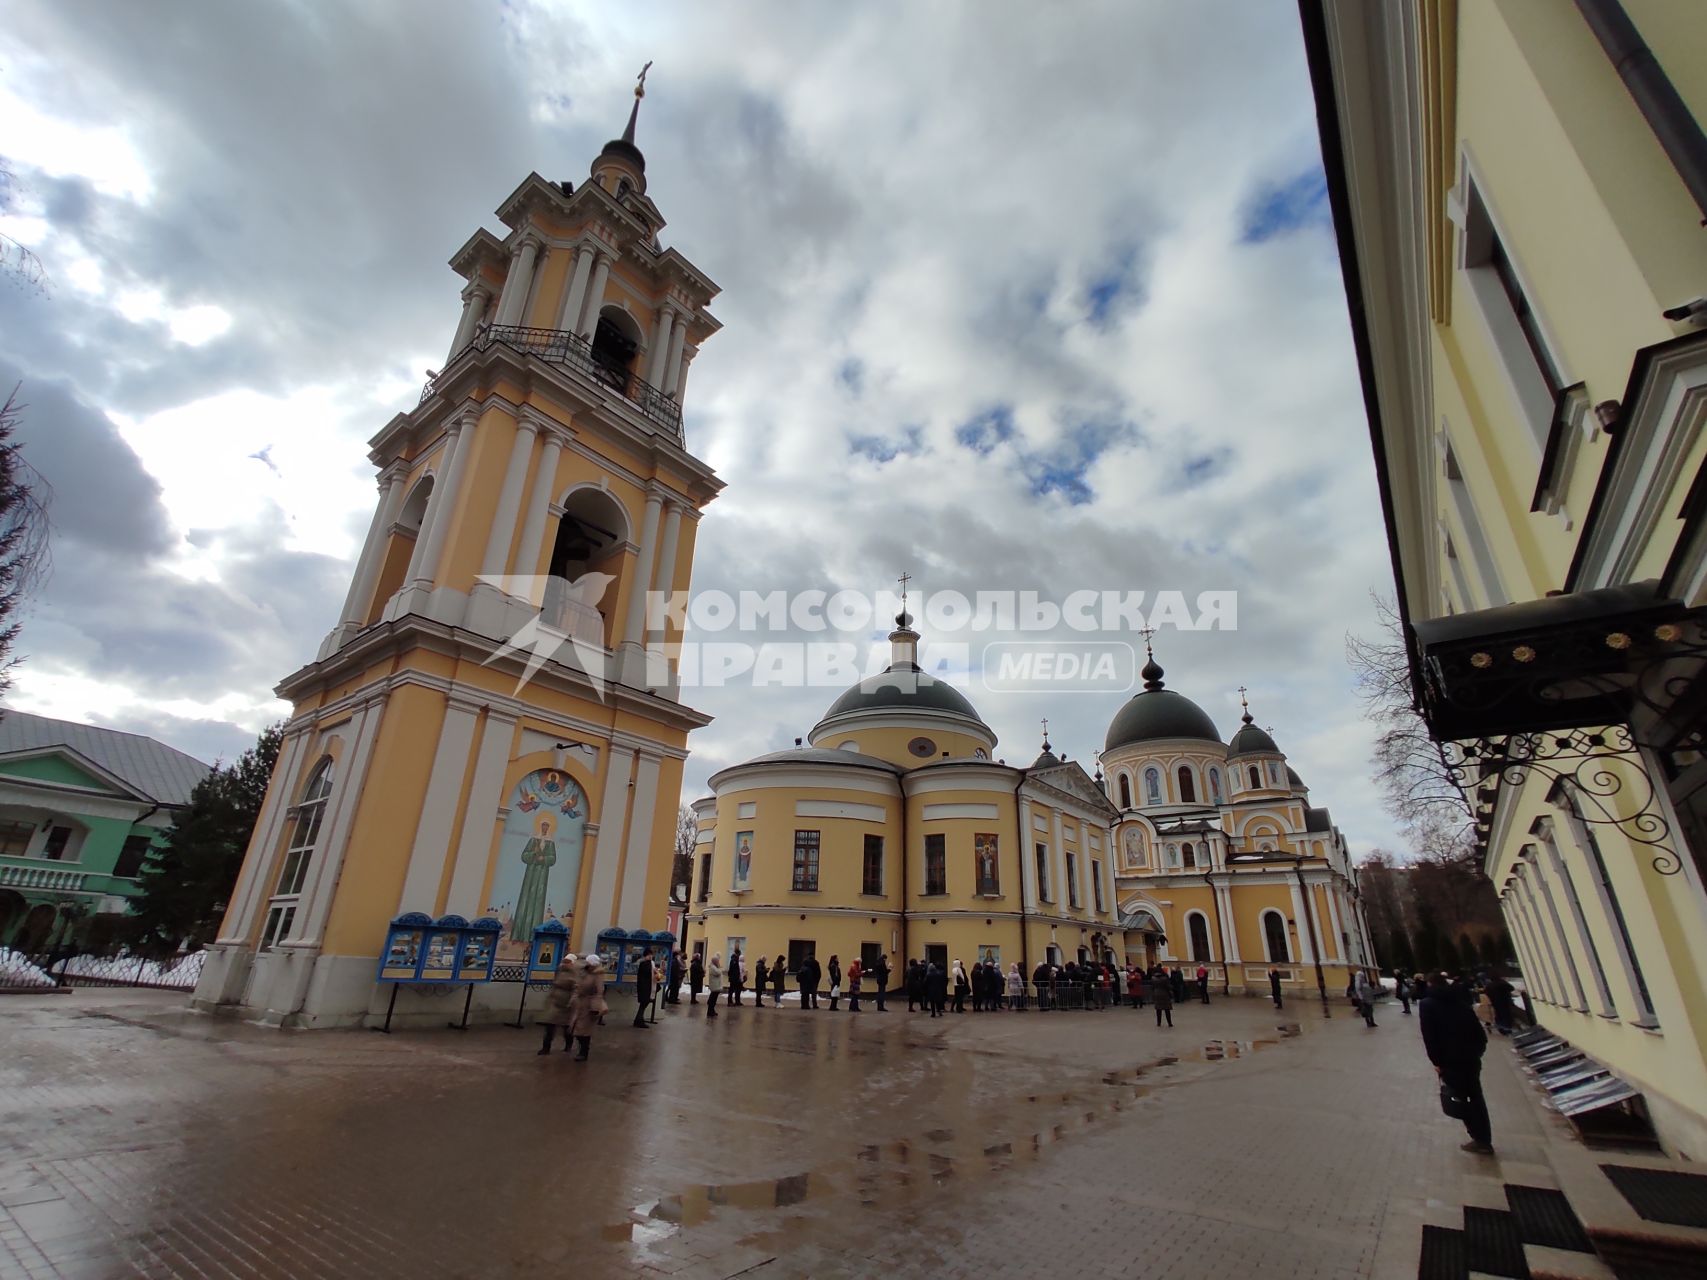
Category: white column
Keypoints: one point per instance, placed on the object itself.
(634, 621)
(441, 504)
(576, 294)
(1224, 897)
(1612, 914)
(473, 307)
(373, 550)
(474, 847)
(1336, 931)
(1535, 964)
(1027, 860)
(594, 300)
(633, 902)
(496, 558)
(349, 778)
(673, 364)
(664, 572)
(444, 788)
(607, 853)
(658, 358)
(539, 503)
(1558, 928)
(253, 886)
(1532, 909)
(518, 282)
(1563, 874)
(1307, 949)
(688, 353)
(1058, 860)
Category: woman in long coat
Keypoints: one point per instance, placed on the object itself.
(1162, 995)
(559, 1003)
(761, 979)
(1016, 987)
(961, 987)
(779, 974)
(589, 1005)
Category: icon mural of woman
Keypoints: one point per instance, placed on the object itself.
(539, 855)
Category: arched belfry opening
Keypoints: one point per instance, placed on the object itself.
(586, 566)
(616, 347)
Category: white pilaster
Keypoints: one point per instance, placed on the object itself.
(497, 555)
(518, 282)
(444, 788)
(673, 362)
(1027, 859)
(607, 853)
(576, 294)
(1612, 913)
(473, 307)
(1558, 922)
(1532, 910)
(1590, 952)
(251, 889)
(356, 604)
(1306, 947)
(634, 621)
(663, 582)
(633, 901)
(595, 299)
(531, 545)
(474, 846)
(688, 353)
(1224, 897)
(1058, 861)
(347, 784)
(441, 504)
(658, 359)
(1335, 930)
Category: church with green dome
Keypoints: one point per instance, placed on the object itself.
(895, 832)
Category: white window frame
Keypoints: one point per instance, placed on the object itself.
(302, 840)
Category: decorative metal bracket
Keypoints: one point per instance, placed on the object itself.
(1577, 760)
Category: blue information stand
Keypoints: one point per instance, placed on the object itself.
(420, 950)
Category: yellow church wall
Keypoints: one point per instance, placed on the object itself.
(489, 445)
(1249, 901)
(383, 831)
(890, 742)
(655, 904)
(551, 281)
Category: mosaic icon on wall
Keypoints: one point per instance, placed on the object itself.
(539, 858)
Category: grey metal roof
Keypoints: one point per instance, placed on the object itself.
(1318, 820)
(158, 771)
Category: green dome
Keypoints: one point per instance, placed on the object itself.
(1158, 712)
(1249, 740)
(903, 689)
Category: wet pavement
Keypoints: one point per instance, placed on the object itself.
(139, 1138)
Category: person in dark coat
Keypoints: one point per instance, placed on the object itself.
(677, 971)
(1455, 1042)
(1274, 987)
(1501, 993)
(761, 980)
(696, 976)
(915, 985)
(835, 983)
(643, 979)
(880, 976)
(808, 980)
(962, 987)
(1135, 985)
(1203, 983)
(1162, 994)
(779, 975)
(736, 978)
(936, 989)
(977, 980)
(1040, 979)
(1176, 986)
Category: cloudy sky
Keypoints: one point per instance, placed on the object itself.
(1014, 297)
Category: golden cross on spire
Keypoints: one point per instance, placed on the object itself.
(640, 85)
(904, 579)
(1242, 692)
(1147, 632)
(1046, 731)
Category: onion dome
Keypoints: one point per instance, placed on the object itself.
(1250, 740)
(903, 686)
(1047, 759)
(1293, 780)
(1159, 712)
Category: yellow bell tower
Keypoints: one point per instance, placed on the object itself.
(491, 727)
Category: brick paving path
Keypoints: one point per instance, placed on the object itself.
(139, 1139)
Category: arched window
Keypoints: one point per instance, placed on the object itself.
(1198, 926)
(310, 813)
(1187, 786)
(1215, 785)
(1153, 785)
(1190, 854)
(1274, 937)
(587, 560)
(1125, 792)
(616, 342)
(1256, 778)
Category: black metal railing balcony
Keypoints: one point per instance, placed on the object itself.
(561, 346)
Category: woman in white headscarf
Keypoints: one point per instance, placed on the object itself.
(713, 984)
(559, 1003)
(961, 987)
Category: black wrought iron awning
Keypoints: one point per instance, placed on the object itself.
(1613, 656)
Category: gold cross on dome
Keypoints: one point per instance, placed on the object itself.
(1147, 632)
(640, 85)
(904, 579)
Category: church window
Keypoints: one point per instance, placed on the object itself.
(705, 877)
(936, 864)
(806, 861)
(132, 856)
(58, 841)
(587, 558)
(986, 863)
(1125, 791)
(616, 341)
(871, 881)
(1198, 927)
(1096, 881)
(15, 837)
(1215, 785)
(1274, 772)
(299, 853)
(1043, 873)
(1187, 786)
(1256, 778)
(1274, 936)
(1072, 880)
(1190, 854)
(1153, 785)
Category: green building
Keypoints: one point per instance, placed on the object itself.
(80, 807)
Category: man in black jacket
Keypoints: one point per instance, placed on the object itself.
(696, 976)
(809, 974)
(880, 975)
(642, 987)
(1455, 1042)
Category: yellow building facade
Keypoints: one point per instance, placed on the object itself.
(894, 832)
(1518, 190)
(482, 733)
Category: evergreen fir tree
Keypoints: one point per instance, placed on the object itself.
(187, 879)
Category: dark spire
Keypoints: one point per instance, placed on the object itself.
(624, 146)
(1152, 672)
(1247, 706)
